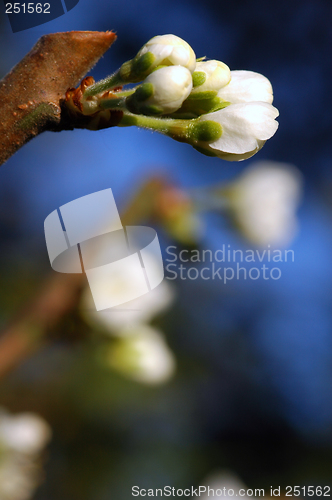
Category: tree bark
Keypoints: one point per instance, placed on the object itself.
(32, 93)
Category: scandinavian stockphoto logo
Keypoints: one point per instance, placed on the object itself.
(25, 15)
(86, 236)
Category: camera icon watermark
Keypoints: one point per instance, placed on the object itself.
(86, 236)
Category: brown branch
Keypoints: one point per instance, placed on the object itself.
(25, 334)
(31, 94)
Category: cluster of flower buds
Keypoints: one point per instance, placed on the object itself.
(219, 112)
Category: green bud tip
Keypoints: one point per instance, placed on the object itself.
(135, 102)
(136, 69)
(205, 131)
(143, 63)
(143, 92)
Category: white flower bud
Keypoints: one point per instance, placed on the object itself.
(25, 432)
(132, 313)
(264, 202)
(90, 105)
(136, 312)
(22, 439)
(244, 128)
(247, 86)
(169, 50)
(210, 76)
(143, 356)
(162, 92)
(225, 482)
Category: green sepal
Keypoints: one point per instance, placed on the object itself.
(137, 69)
(143, 92)
(138, 107)
(207, 94)
(197, 107)
(135, 102)
(214, 105)
(125, 70)
(204, 131)
(142, 64)
(199, 78)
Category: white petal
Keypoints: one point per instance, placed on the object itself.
(247, 86)
(127, 316)
(243, 125)
(180, 56)
(243, 156)
(140, 310)
(172, 85)
(160, 51)
(165, 40)
(217, 73)
(170, 50)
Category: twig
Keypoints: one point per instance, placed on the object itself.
(31, 94)
(25, 334)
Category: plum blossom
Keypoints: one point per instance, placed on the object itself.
(264, 200)
(244, 129)
(169, 50)
(163, 91)
(22, 440)
(213, 74)
(143, 356)
(223, 484)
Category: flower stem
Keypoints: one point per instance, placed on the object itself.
(210, 198)
(107, 84)
(177, 129)
(113, 103)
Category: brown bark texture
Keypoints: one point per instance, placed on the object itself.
(32, 93)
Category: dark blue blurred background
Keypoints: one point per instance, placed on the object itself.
(254, 387)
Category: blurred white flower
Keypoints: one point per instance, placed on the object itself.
(143, 356)
(243, 130)
(223, 484)
(22, 440)
(118, 320)
(162, 92)
(264, 201)
(169, 50)
(213, 74)
(26, 432)
(247, 86)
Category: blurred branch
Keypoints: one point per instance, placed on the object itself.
(25, 334)
(61, 292)
(32, 93)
